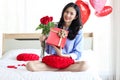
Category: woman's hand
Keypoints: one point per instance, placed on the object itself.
(42, 38)
(59, 52)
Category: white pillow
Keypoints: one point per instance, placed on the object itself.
(12, 54)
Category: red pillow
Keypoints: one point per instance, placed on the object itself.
(57, 61)
(27, 57)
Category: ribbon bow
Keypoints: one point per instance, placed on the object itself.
(62, 34)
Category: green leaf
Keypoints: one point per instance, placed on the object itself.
(51, 24)
(38, 28)
(46, 28)
(41, 26)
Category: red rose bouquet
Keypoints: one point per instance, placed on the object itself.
(45, 24)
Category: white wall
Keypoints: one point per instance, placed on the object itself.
(102, 29)
(23, 16)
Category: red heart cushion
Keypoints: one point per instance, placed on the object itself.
(27, 57)
(57, 61)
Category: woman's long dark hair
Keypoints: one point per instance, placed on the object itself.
(76, 24)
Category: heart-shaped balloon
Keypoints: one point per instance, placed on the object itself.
(84, 9)
(104, 12)
(98, 5)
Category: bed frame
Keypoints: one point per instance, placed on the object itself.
(31, 40)
(25, 40)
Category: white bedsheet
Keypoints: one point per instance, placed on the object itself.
(22, 74)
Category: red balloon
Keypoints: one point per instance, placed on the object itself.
(104, 12)
(85, 10)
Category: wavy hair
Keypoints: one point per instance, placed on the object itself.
(76, 24)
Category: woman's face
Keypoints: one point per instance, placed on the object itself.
(69, 15)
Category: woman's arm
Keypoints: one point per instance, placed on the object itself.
(77, 46)
(73, 48)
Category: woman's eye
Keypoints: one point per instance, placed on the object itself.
(67, 11)
(71, 13)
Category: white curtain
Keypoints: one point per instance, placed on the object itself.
(12, 15)
(116, 38)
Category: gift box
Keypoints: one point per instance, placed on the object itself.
(57, 37)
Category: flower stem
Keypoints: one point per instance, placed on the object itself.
(43, 48)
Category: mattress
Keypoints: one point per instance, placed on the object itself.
(21, 73)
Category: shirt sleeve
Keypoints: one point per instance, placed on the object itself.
(78, 46)
(73, 56)
(50, 49)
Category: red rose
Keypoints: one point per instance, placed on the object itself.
(45, 24)
(45, 20)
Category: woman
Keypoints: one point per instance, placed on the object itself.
(70, 20)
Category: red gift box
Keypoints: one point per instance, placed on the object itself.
(57, 37)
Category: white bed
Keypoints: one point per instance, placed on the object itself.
(14, 44)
